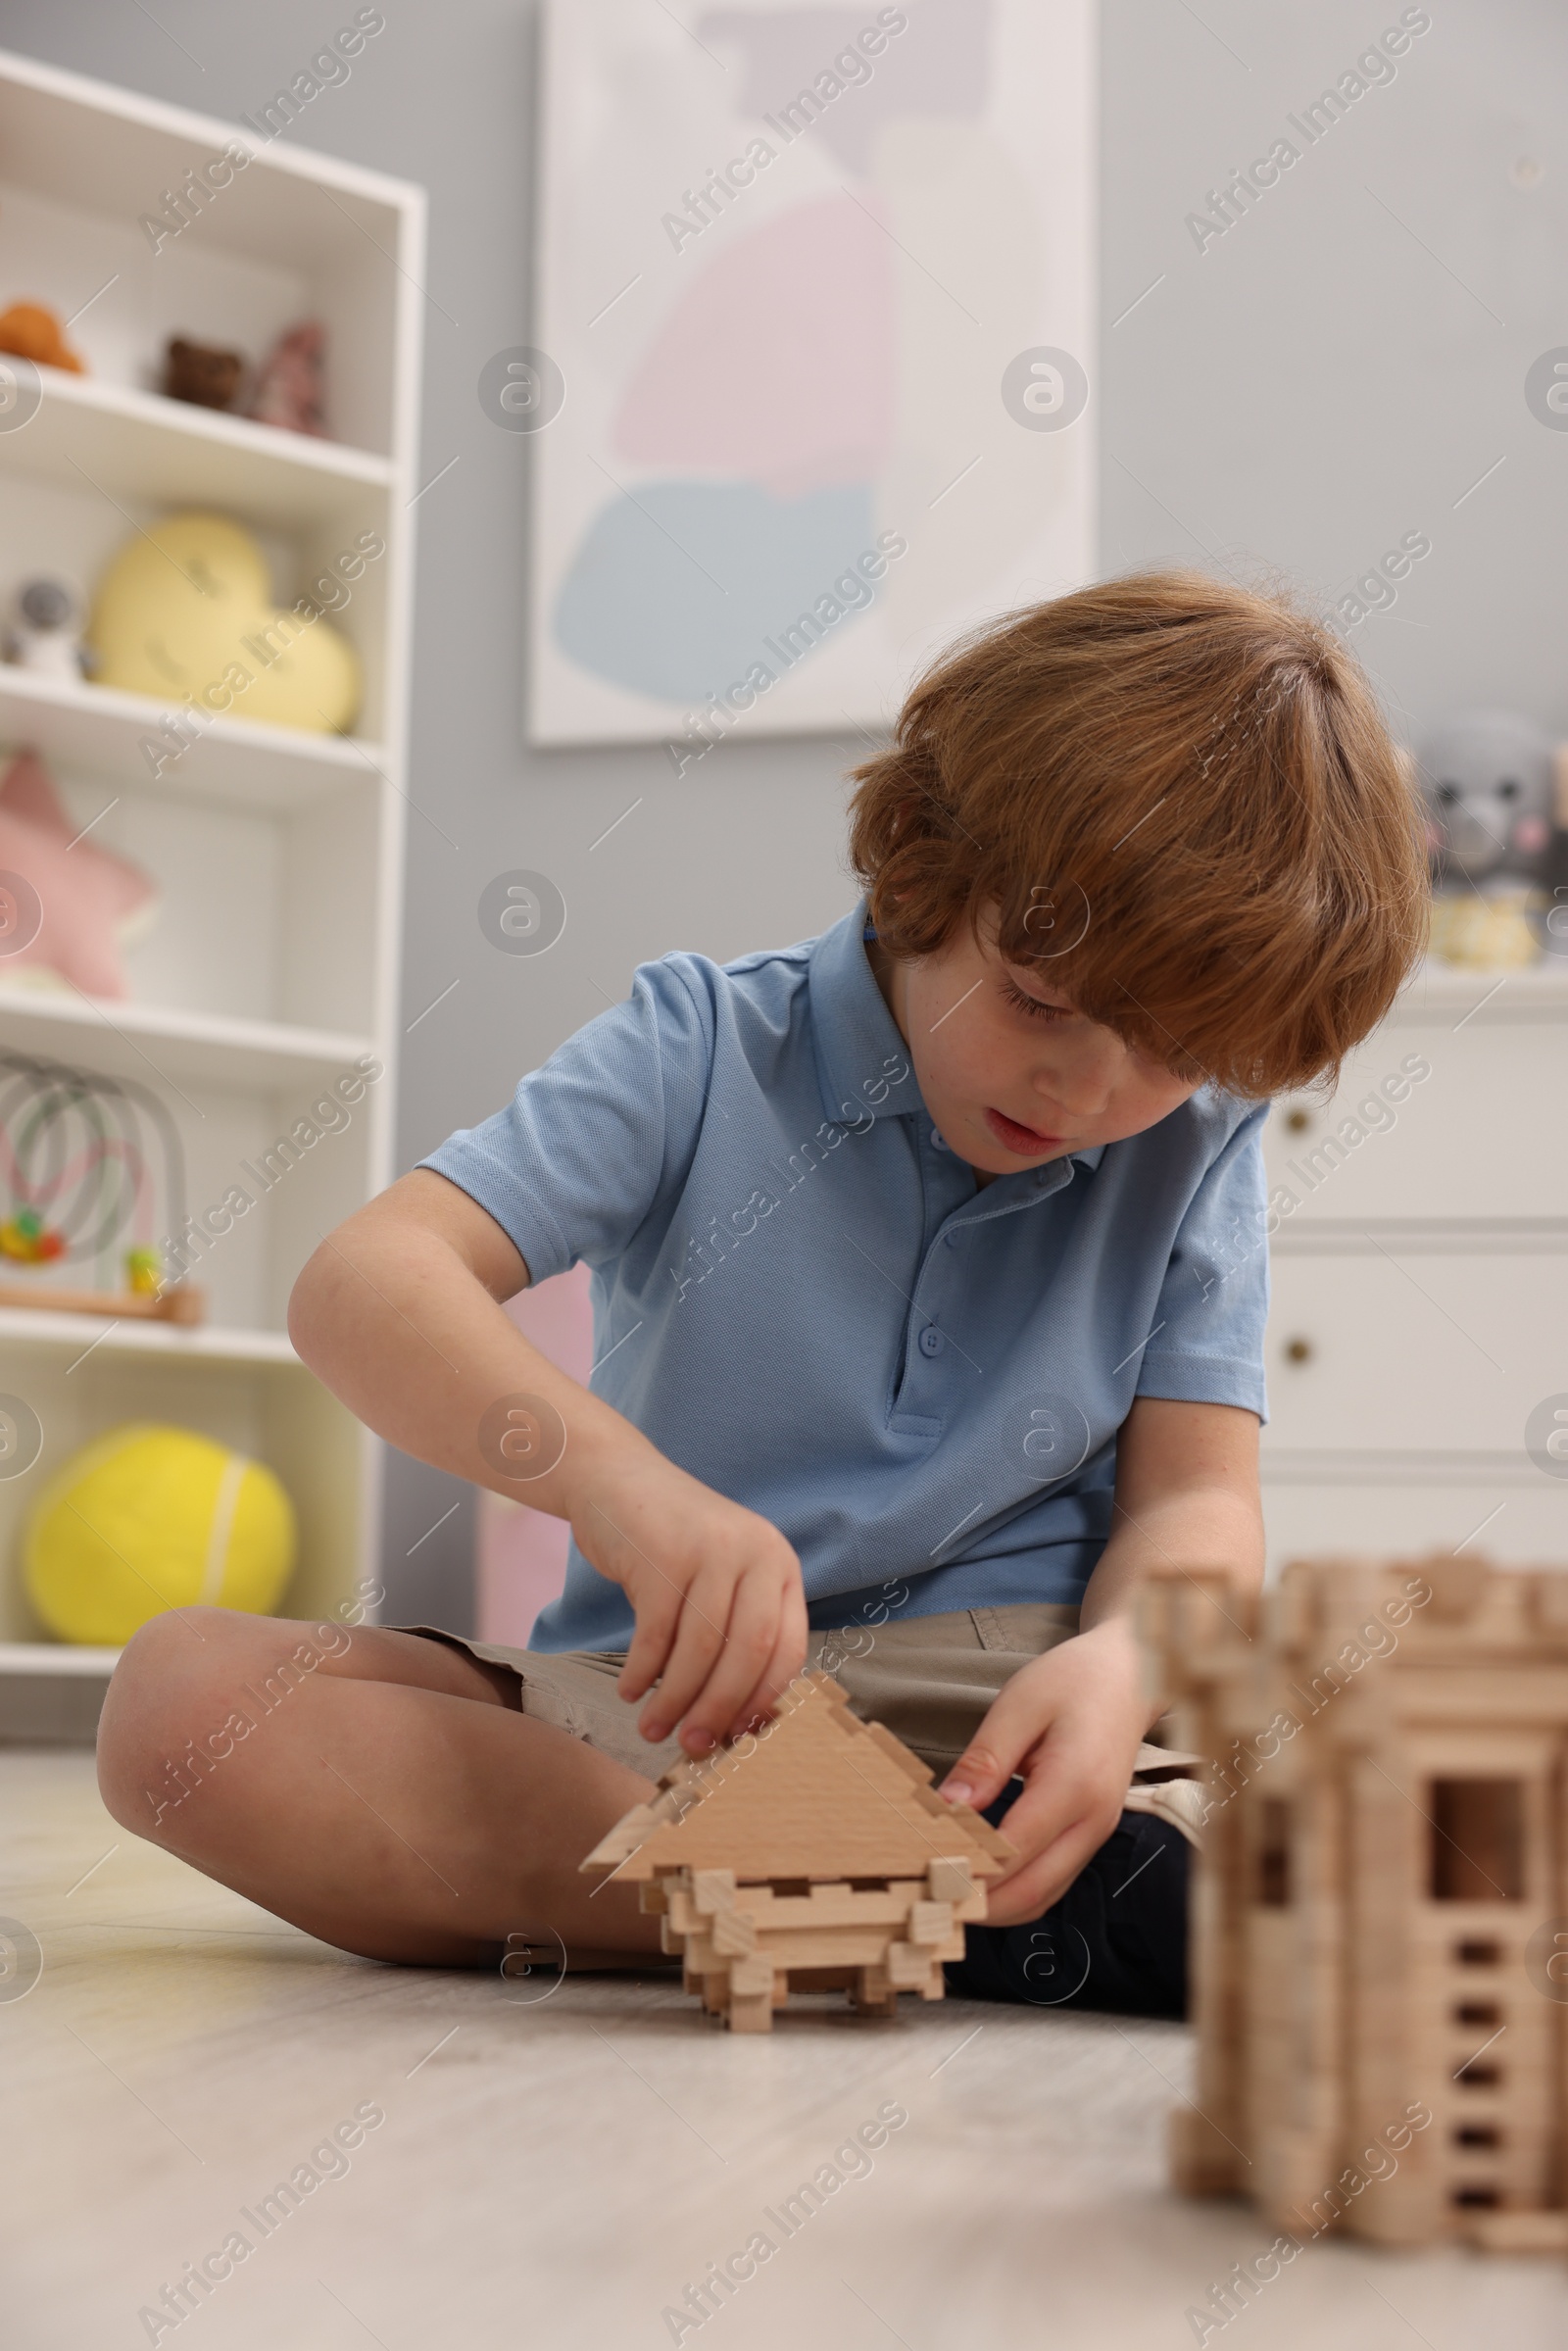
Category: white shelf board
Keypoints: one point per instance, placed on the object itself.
(102, 731)
(147, 1041)
(135, 143)
(56, 1657)
(77, 1334)
(115, 440)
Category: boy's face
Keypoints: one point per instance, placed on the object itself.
(1012, 1074)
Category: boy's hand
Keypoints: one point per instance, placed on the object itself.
(717, 1589)
(1071, 1722)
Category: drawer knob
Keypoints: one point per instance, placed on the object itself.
(1297, 1122)
(1298, 1350)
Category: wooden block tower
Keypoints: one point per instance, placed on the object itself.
(1381, 1923)
(814, 1856)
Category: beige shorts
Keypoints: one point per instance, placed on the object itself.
(929, 1679)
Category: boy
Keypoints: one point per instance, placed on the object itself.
(930, 1291)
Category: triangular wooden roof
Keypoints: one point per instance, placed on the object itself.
(822, 1794)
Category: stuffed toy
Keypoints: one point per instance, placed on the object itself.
(198, 372)
(78, 903)
(184, 612)
(46, 634)
(1490, 784)
(30, 331)
(288, 386)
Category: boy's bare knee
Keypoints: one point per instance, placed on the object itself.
(170, 1711)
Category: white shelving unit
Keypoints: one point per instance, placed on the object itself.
(271, 967)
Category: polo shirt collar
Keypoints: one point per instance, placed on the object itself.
(858, 1050)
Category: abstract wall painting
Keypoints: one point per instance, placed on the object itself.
(817, 295)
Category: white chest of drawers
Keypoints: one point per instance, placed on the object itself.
(1420, 1281)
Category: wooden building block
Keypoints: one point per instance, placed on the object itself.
(930, 1922)
(909, 1966)
(1519, 2231)
(734, 1935)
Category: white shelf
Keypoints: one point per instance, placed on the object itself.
(100, 436)
(76, 1334)
(277, 853)
(146, 1041)
(101, 730)
(56, 1657)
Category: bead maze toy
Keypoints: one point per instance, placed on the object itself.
(77, 1154)
(1381, 1929)
(811, 1856)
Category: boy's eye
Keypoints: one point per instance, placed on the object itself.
(1033, 1006)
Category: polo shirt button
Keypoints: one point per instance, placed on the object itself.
(953, 1237)
(937, 1143)
(930, 1340)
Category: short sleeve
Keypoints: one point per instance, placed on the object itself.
(1206, 1343)
(595, 1136)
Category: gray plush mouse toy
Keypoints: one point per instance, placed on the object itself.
(1490, 783)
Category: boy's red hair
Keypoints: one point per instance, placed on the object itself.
(1179, 803)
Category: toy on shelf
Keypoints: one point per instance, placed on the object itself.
(67, 905)
(29, 331)
(45, 636)
(1488, 781)
(289, 383)
(201, 373)
(814, 1856)
(78, 1156)
(1381, 1922)
(28, 1238)
(149, 1518)
(185, 610)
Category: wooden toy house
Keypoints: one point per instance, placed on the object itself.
(1381, 1923)
(813, 1857)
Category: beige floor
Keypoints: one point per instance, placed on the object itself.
(554, 2172)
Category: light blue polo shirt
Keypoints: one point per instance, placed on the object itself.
(803, 1297)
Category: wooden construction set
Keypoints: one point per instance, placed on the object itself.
(1379, 1938)
(813, 1857)
(1381, 1928)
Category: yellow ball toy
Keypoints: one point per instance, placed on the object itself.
(149, 1518)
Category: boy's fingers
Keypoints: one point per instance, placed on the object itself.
(1012, 1727)
(789, 1655)
(699, 1638)
(1053, 1803)
(1044, 1876)
(749, 1640)
(658, 1614)
(1057, 1829)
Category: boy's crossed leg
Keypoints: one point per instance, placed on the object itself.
(389, 1797)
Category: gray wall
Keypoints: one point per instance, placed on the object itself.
(1335, 370)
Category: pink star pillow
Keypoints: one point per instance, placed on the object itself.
(76, 901)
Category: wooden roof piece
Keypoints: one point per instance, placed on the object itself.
(817, 1794)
